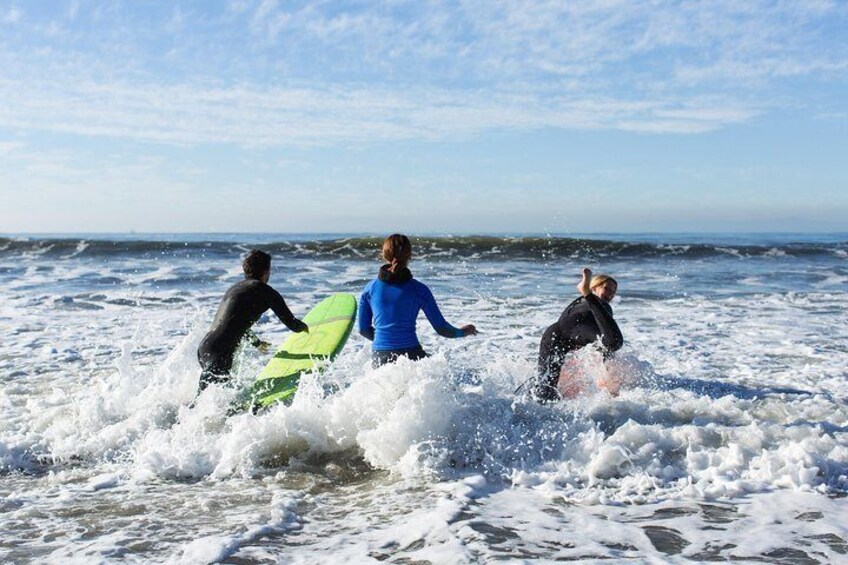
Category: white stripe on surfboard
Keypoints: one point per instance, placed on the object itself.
(331, 320)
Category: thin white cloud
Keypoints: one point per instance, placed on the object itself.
(12, 16)
(326, 72)
(832, 116)
(516, 39)
(9, 147)
(73, 10)
(175, 24)
(307, 116)
(25, 171)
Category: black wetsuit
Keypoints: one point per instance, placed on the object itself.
(579, 325)
(241, 306)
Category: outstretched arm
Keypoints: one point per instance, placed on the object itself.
(278, 305)
(434, 316)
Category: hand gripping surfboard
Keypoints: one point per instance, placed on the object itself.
(330, 323)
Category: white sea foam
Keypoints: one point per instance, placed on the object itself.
(213, 549)
(81, 247)
(734, 417)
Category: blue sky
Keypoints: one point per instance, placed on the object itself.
(447, 117)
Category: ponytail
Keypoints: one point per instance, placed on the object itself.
(397, 251)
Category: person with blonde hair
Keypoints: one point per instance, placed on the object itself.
(389, 306)
(582, 322)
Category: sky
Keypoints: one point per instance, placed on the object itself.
(462, 116)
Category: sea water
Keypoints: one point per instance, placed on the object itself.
(728, 440)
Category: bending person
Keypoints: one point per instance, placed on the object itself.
(389, 306)
(581, 323)
(241, 306)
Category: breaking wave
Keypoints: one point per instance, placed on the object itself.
(434, 248)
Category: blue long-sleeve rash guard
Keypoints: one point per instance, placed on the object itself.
(389, 307)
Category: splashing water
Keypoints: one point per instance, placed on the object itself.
(728, 440)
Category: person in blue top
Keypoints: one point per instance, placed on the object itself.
(389, 306)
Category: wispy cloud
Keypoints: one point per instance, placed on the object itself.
(190, 114)
(11, 16)
(264, 72)
(9, 147)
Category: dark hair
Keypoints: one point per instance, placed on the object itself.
(397, 250)
(256, 264)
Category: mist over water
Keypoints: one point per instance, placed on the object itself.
(729, 441)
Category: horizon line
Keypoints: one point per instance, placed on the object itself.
(425, 233)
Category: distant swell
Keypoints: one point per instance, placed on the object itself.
(367, 248)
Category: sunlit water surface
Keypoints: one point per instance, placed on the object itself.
(729, 441)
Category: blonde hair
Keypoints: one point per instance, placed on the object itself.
(598, 280)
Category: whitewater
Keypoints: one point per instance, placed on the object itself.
(728, 442)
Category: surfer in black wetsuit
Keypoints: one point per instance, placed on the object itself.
(582, 322)
(241, 306)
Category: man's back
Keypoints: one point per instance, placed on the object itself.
(240, 308)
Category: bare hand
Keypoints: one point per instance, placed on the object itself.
(583, 286)
(469, 330)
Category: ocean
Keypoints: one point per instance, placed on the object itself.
(728, 441)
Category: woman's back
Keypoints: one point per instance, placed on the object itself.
(389, 306)
(393, 306)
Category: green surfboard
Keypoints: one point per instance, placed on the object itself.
(329, 324)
